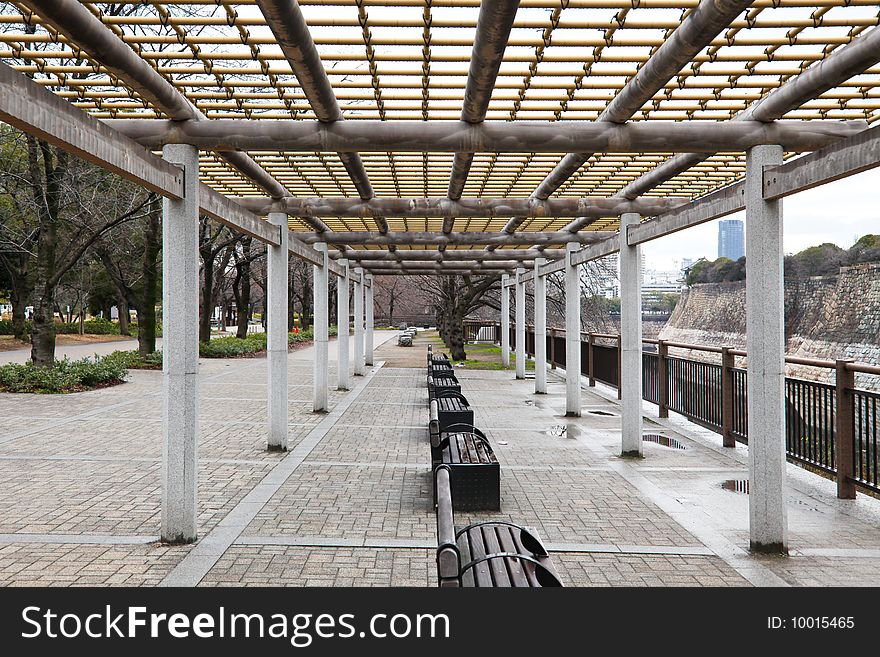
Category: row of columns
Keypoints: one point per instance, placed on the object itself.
(765, 343)
(180, 276)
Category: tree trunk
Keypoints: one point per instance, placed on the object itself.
(19, 303)
(149, 265)
(243, 294)
(45, 282)
(455, 339)
(122, 306)
(207, 294)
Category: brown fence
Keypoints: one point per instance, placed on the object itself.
(831, 427)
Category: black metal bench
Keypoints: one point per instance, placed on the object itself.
(489, 553)
(442, 383)
(452, 408)
(440, 369)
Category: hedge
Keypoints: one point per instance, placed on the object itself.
(65, 376)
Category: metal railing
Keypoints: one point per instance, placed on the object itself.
(829, 427)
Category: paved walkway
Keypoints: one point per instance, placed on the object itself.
(350, 503)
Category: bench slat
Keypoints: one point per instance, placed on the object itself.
(519, 570)
(497, 567)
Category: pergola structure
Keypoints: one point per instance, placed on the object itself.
(456, 137)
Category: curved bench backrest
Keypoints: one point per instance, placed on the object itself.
(454, 395)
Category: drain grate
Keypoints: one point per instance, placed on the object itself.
(740, 486)
(601, 413)
(666, 441)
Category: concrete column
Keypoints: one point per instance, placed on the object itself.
(276, 338)
(319, 288)
(358, 321)
(505, 321)
(630, 341)
(342, 327)
(368, 319)
(520, 323)
(765, 344)
(572, 334)
(180, 362)
(540, 329)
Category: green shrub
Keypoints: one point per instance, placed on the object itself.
(65, 376)
(132, 360)
(232, 347)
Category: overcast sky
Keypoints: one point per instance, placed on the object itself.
(839, 212)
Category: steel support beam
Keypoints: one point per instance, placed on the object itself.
(572, 334)
(359, 321)
(520, 324)
(540, 329)
(180, 314)
(342, 326)
(277, 289)
(365, 238)
(320, 280)
(594, 207)
(490, 136)
(630, 343)
(493, 30)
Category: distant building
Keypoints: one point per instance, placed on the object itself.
(731, 239)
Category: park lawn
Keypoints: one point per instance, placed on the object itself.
(479, 356)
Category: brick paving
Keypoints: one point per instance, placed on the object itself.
(80, 489)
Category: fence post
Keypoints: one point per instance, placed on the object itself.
(728, 362)
(619, 373)
(844, 436)
(590, 360)
(662, 379)
(552, 348)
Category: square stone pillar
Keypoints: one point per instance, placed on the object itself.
(368, 320)
(572, 334)
(520, 323)
(277, 272)
(765, 344)
(505, 321)
(180, 351)
(540, 329)
(630, 341)
(342, 326)
(320, 289)
(358, 321)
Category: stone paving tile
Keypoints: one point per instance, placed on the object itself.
(643, 570)
(91, 497)
(824, 571)
(385, 415)
(65, 564)
(335, 501)
(582, 507)
(319, 566)
(374, 445)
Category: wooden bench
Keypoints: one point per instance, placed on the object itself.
(489, 553)
(452, 408)
(442, 383)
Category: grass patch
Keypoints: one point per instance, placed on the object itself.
(481, 356)
(64, 377)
